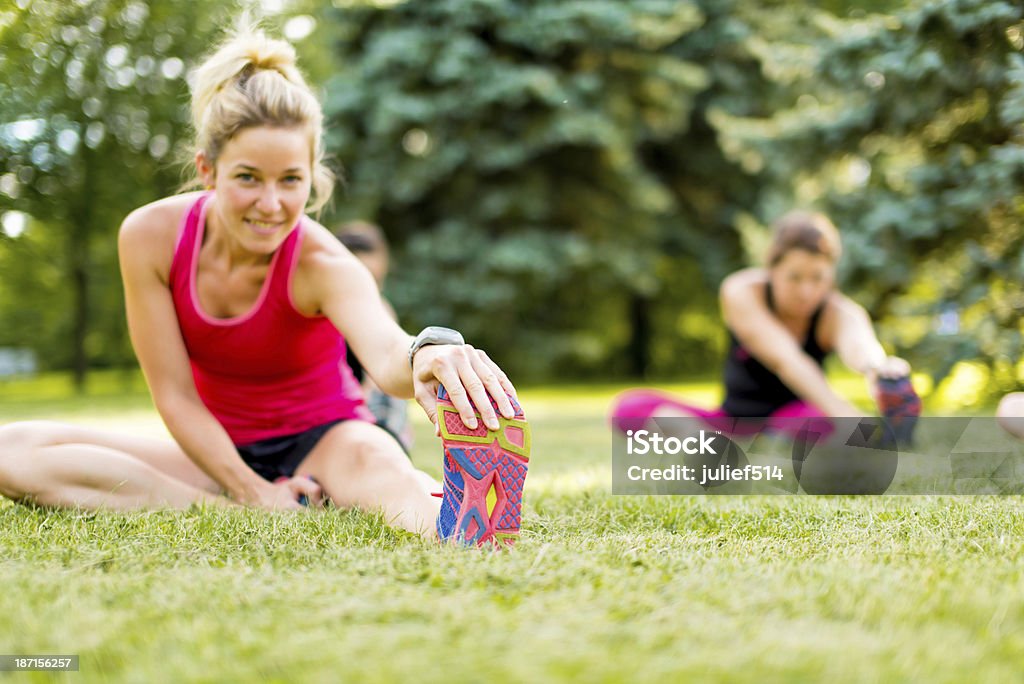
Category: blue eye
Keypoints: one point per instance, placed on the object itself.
(246, 177)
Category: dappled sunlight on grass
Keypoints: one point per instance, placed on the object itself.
(596, 400)
(113, 392)
(57, 386)
(109, 396)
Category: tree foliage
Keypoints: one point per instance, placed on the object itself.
(93, 121)
(548, 170)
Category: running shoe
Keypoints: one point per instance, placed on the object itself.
(484, 472)
(900, 406)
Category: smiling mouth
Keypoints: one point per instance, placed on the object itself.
(263, 227)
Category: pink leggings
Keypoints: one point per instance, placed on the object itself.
(633, 408)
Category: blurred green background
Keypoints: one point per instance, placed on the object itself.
(566, 182)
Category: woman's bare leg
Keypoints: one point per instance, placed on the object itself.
(360, 465)
(59, 465)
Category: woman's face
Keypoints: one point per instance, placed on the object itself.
(262, 181)
(800, 282)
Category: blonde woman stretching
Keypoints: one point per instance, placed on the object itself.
(239, 306)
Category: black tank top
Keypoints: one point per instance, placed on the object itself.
(753, 391)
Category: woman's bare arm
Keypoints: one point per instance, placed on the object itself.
(156, 337)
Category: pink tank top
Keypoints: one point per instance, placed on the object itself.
(269, 372)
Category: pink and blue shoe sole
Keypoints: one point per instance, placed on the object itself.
(484, 473)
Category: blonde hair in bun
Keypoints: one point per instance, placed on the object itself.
(252, 80)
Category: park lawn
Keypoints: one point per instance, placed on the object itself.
(600, 587)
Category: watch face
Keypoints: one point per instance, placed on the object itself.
(435, 335)
(439, 335)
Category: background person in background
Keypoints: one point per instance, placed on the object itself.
(367, 242)
(783, 319)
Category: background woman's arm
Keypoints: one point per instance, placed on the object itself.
(857, 346)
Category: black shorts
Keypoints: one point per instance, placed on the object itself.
(281, 456)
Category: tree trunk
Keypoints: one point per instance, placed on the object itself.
(639, 350)
(80, 278)
(78, 264)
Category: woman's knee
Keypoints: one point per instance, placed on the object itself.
(17, 440)
(374, 455)
(29, 434)
(361, 451)
(1011, 406)
(17, 443)
(1010, 413)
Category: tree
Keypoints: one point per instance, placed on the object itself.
(548, 170)
(94, 116)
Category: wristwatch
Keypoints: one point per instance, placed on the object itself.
(434, 334)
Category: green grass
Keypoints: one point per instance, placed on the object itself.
(600, 587)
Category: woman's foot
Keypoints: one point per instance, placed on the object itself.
(484, 472)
